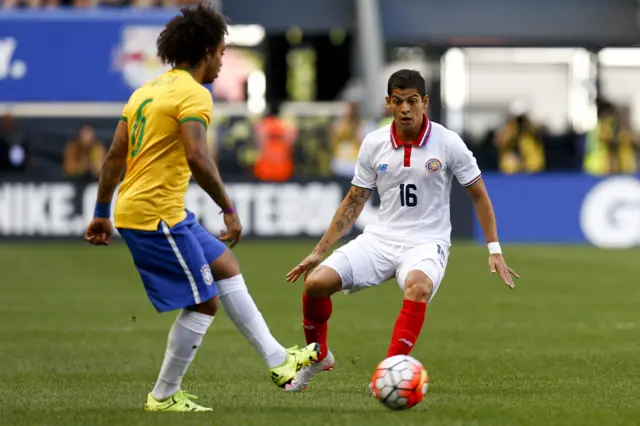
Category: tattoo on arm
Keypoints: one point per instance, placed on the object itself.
(202, 165)
(352, 207)
(345, 217)
(114, 163)
(109, 178)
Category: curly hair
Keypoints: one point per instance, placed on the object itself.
(188, 37)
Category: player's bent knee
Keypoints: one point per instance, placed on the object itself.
(418, 286)
(226, 266)
(209, 307)
(322, 282)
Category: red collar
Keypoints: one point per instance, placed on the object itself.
(421, 140)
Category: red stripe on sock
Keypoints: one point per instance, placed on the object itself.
(407, 328)
(316, 313)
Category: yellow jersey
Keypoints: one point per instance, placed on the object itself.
(157, 173)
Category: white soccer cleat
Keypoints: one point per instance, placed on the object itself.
(304, 376)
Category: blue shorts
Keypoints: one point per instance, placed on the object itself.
(174, 262)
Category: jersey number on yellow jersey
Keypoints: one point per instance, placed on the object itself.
(139, 125)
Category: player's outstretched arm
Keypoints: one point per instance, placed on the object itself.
(205, 171)
(100, 229)
(344, 218)
(487, 218)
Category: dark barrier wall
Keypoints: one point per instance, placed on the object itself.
(296, 209)
(566, 209)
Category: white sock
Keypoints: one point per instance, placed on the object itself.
(244, 314)
(184, 340)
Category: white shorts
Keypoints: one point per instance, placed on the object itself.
(369, 261)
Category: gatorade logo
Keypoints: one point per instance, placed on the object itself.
(610, 214)
(10, 67)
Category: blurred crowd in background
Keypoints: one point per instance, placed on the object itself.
(273, 144)
(279, 148)
(547, 104)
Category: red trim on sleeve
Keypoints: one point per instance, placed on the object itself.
(472, 181)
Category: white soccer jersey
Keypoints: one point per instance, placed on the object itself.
(414, 181)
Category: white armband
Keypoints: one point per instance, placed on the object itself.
(494, 248)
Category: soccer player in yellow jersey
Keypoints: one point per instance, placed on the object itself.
(161, 139)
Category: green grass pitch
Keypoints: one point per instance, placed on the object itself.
(81, 345)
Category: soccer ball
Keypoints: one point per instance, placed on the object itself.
(400, 382)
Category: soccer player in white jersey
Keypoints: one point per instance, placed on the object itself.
(411, 163)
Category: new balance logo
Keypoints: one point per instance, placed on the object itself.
(383, 167)
(441, 254)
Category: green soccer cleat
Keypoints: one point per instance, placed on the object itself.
(296, 359)
(180, 402)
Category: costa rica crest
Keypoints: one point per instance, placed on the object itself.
(433, 165)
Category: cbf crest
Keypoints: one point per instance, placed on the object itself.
(433, 165)
(207, 276)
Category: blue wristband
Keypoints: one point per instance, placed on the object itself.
(102, 210)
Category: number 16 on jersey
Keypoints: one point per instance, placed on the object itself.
(408, 197)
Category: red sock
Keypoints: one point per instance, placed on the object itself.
(407, 328)
(316, 313)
